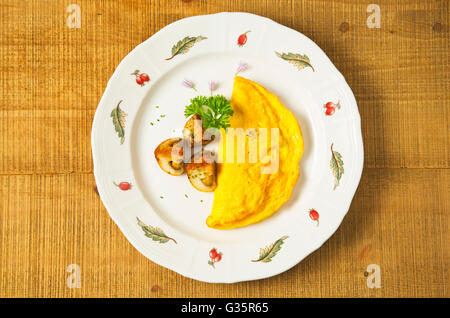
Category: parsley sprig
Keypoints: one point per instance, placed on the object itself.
(215, 111)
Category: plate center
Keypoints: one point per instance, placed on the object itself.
(161, 116)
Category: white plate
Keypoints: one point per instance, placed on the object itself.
(182, 219)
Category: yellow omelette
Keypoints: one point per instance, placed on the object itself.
(246, 193)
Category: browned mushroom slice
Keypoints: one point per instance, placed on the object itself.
(193, 131)
(202, 174)
(169, 155)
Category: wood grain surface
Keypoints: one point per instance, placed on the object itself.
(53, 77)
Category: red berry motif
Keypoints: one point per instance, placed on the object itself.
(214, 257)
(330, 111)
(331, 108)
(124, 186)
(213, 253)
(144, 77)
(141, 78)
(242, 39)
(314, 215)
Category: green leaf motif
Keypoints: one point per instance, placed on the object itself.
(183, 46)
(298, 60)
(266, 254)
(118, 118)
(155, 233)
(337, 166)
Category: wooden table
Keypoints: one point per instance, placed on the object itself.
(52, 78)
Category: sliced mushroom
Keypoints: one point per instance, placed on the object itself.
(193, 131)
(202, 172)
(169, 155)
